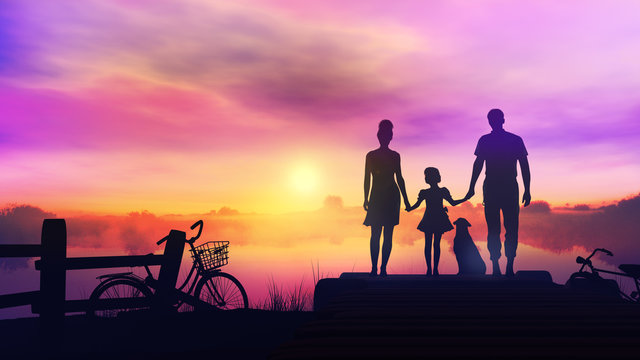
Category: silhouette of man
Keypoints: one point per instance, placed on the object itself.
(501, 150)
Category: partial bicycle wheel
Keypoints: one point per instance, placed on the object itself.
(133, 294)
(585, 282)
(222, 291)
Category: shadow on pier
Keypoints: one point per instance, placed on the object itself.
(412, 316)
(232, 334)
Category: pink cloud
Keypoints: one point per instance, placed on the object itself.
(115, 114)
(541, 226)
(20, 224)
(259, 81)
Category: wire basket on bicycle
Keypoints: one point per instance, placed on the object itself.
(211, 255)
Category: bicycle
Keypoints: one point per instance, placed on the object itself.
(592, 281)
(210, 287)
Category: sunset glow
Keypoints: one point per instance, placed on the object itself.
(304, 179)
(175, 107)
(144, 116)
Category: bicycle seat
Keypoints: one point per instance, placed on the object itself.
(631, 269)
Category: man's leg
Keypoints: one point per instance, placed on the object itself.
(492, 216)
(511, 213)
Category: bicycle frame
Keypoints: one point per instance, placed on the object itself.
(596, 272)
(150, 279)
(188, 292)
(196, 267)
(185, 296)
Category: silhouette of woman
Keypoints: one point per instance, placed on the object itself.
(383, 206)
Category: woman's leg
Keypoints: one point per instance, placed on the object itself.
(436, 252)
(386, 248)
(427, 251)
(375, 247)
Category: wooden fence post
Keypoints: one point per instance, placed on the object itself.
(168, 275)
(52, 282)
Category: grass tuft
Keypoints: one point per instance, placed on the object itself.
(296, 298)
(278, 298)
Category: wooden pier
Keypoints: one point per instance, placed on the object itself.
(413, 316)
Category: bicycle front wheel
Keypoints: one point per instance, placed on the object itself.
(222, 291)
(118, 295)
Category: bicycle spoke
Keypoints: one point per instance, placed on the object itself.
(210, 293)
(228, 292)
(120, 289)
(223, 292)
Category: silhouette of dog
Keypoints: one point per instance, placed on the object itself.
(467, 254)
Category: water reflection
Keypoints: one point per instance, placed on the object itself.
(256, 265)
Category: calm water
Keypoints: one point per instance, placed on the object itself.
(290, 266)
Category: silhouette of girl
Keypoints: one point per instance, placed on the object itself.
(435, 220)
(383, 206)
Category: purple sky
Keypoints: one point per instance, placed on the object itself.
(269, 106)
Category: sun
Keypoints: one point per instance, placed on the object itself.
(304, 179)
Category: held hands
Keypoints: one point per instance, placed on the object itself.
(469, 195)
(407, 205)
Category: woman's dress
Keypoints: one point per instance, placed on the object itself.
(384, 199)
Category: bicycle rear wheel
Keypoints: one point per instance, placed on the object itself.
(222, 291)
(116, 296)
(589, 283)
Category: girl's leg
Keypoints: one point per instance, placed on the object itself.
(386, 249)
(436, 252)
(375, 247)
(427, 251)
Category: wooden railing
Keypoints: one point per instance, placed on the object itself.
(50, 302)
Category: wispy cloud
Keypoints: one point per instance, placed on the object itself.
(247, 82)
(252, 57)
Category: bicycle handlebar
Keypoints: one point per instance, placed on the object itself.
(606, 251)
(162, 240)
(587, 261)
(584, 262)
(609, 253)
(193, 239)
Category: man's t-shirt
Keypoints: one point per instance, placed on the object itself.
(501, 150)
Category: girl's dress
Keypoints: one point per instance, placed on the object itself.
(435, 219)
